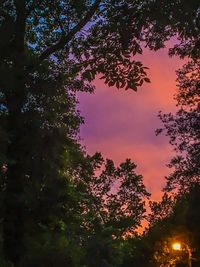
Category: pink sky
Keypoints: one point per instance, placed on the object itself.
(121, 124)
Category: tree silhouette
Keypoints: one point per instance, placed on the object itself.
(183, 129)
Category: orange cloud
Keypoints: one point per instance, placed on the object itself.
(121, 124)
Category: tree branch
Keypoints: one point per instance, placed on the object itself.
(65, 39)
(20, 23)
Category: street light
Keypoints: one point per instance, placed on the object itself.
(177, 247)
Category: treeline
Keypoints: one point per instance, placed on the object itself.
(58, 205)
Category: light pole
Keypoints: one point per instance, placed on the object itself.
(178, 247)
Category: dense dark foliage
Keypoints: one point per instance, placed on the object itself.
(183, 129)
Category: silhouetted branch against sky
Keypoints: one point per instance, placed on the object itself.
(66, 38)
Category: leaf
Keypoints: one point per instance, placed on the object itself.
(141, 82)
(147, 80)
(111, 83)
(126, 55)
(117, 84)
(132, 86)
(123, 83)
(107, 80)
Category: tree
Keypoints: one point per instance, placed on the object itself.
(183, 130)
(113, 206)
(47, 201)
(161, 209)
(182, 225)
(154, 246)
(63, 201)
(33, 33)
(135, 251)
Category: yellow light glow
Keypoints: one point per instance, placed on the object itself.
(176, 246)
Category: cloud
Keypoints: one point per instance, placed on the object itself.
(121, 124)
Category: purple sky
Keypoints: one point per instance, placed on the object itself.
(121, 124)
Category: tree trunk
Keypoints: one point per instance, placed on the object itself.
(14, 202)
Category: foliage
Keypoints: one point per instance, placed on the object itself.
(183, 129)
(181, 224)
(160, 210)
(66, 207)
(113, 205)
(154, 246)
(117, 195)
(73, 35)
(46, 56)
(47, 201)
(135, 251)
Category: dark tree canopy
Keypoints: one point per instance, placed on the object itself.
(74, 33)
(183, 129)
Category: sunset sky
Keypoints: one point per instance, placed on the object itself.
(121, 124)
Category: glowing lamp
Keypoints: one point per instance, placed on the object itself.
(176, 246)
